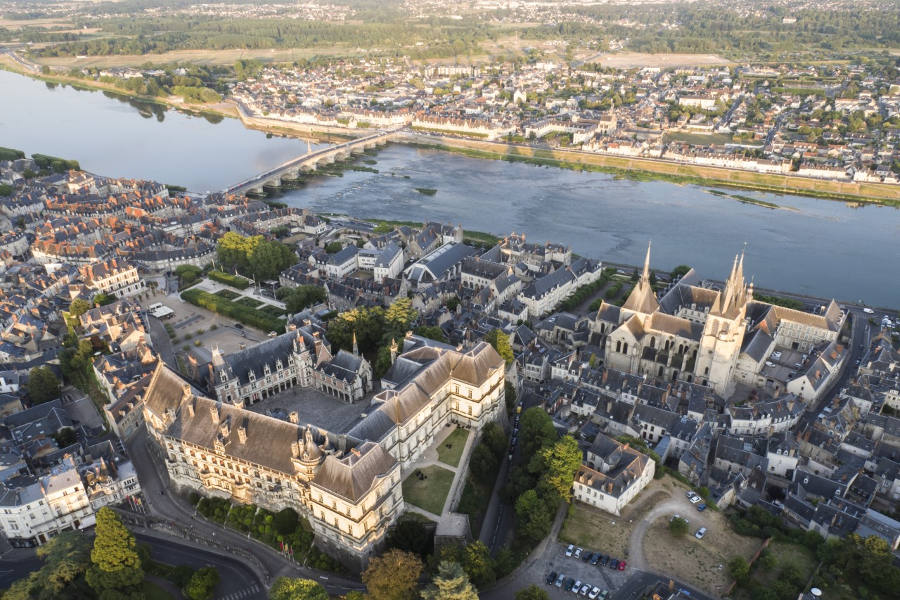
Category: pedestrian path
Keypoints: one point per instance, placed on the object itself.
(244, 593)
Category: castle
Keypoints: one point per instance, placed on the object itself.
(347, 483)
(716, 337)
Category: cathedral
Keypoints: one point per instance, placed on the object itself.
(712, 337)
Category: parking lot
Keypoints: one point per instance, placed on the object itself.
(575, 569)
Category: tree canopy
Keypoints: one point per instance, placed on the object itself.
(43, 385)
(532, 592)
(287, 588)
(393, 576)
(202, 584)
(78, 307)
(558, 463)
(254, 256)
(115, 570)
(61, 577)
(450, 583)
(500, 342)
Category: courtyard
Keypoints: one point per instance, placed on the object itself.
(313, 407)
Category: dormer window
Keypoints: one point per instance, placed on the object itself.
(223, 376)
(251, 376)
(267, 370)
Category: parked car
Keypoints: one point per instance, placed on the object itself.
(621, 565)
(559, 580)
(614, 563)
(551, 578)
(690, 493)
(571, 583)
(701, 507)
(594, 593)
(578, 552)
(585, 589)
(570, 550)
(596, 558)
(604, 561)
(700, 533)
(696, 499)
(587, 556)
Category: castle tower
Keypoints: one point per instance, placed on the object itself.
(723, 333)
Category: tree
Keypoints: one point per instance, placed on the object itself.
(400, 315)
(202, 584)
(432, 332)
(532, 592)
(535, 430)
(559, 464)
(78, 307)
(533, 517)
(287, 588)
(104, 299)
(739, 569)
(450, 583)
(411, 535)
(285, 521)
(478, 564)
(678, 527)
(66, 557)
(393, 576)
(500, 342)
(115, 570)
(43, 385)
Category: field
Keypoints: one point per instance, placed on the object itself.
(199, 57)
(589, 527)
(431, 492)
(786, 556)
(699, 562)
(631, 60)
(450, 450)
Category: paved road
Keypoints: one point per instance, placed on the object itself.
(16, 564)
(236, 579)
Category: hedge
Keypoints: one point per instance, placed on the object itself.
(247, 316)
(234, 281)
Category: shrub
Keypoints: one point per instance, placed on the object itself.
(234, 281)
(246, 315)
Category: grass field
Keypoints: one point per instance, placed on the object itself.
(248, 302)
(450, 451)
(700, 562)
(431, 492)
(228, 294)
(271, 310)
(199, 57)
(785, 555)
(630, 60)
(592, 528)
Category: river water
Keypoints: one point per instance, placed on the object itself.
(812, 246)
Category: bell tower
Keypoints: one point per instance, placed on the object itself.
(723, 333)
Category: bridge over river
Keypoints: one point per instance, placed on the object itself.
(309, 161)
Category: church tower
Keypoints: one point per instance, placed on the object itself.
(642, 299)
(723, 333)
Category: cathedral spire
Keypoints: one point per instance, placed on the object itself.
(645, 276)
(355, 345)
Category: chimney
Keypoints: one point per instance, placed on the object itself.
(214, 411)
(189, 407)
(242, 432)
(294, 417)
(605, 375)
(355, 452)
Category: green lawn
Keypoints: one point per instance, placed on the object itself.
(272, 311)
(228, 294)
(450, 451)
(248, 302)
(154, 592)
(431, 492)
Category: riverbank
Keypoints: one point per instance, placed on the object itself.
(220, 109)
(638, 169)
(642, 169)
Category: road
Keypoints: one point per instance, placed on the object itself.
(16, 564)
(268, 563)
(236, 579)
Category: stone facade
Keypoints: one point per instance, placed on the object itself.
(349, 484)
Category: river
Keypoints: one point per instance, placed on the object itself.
(812, 246)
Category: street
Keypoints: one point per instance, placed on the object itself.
(236, 579)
